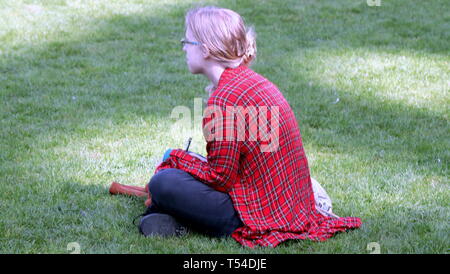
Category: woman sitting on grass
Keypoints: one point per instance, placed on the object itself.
(254, 187)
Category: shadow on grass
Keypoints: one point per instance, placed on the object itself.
(44, 217)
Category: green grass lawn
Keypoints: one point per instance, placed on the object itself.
(87, 89)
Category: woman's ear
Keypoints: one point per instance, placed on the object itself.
(205, 51)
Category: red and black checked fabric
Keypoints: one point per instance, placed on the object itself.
(271, 191)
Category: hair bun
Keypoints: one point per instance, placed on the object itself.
(250, 51)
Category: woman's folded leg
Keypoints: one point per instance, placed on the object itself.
(193, 203)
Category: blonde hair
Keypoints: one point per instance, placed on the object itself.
(224, 33)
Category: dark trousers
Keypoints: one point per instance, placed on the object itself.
(193, 203)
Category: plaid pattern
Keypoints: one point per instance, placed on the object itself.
(271, 191)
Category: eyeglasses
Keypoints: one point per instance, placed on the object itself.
(184, 41)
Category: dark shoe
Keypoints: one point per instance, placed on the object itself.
(164, 225)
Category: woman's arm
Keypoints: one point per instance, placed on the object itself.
(220, 171)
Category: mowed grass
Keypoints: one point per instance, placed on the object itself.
(87, 90)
